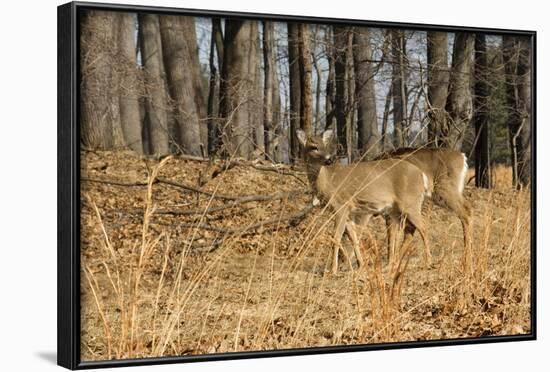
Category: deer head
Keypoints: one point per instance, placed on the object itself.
(318, 149)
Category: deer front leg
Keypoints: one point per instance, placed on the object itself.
(340, 222)
(355, 232)
(351, 229)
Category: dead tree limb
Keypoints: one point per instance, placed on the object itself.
(164, 181)
(195, 189)
(292, 219)
(113, 182)
(219, 169)
(234, 203)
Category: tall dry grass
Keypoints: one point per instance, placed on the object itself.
(159, 301)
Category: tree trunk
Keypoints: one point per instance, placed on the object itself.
(236, 89)
(213, 129)
(517, 64)
(255, 103)
(181, 74)
(306, 101)
(330, 101)
(279, 146)
(268, 87)
(481, 115)
(399, 88)
(129, 83)
(200, 95)
(368, 136)
(459, 99)
(351, 131)
(156, 100)
(438, 83)
(294, 86)
(340, 62)
(524, 108)
(218, 40)
(99, 98)
(385, 118)
(318, 78)
(213, 111)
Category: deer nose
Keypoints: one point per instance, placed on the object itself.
(328, 159)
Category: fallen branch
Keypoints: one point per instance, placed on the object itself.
(217, 169)
(241, 200)
(164, 181)
(267, 225)
(195, 189)
(111, 182)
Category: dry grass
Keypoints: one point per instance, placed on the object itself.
(146, 291)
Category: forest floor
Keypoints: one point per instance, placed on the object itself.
(158, 279)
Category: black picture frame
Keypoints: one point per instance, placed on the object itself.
(68, 313)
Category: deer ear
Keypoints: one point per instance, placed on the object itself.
(301, 137)
(328, 136)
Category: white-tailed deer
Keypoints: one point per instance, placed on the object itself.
(446, 171)
(356, 192)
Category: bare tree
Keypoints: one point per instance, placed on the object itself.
(269, 82)
(481, 115)
(255, 101)
(304, 58)
(330, 92)
(129, 82)
(279, 144)
(99, 99)
(438, 83)
(459, 99)
(368, 136)
(340, 62)
(517, 64)
(211, 115)
(318, 78)
(200, 95)
(218, 39)
(178, 62)
(385, 119)
(294, 87)
(213, 120)
(399, 89)
(156, 97)
(351, 129)
(236, 88)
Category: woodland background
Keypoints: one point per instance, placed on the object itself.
(39, 350)
(198, 232)
(163, 84)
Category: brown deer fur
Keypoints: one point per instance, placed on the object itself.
(389, 187)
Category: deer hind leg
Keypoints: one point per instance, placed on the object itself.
(392, 228)
(456, 202)
(414, 222)
(340, 222)
(351, 230)
(355, 232)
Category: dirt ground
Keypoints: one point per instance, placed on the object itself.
(159, 283)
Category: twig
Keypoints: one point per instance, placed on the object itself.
(241, 200)
(292, 219)
(227, 165)
(164, 181)
(195, 189)
(112, 182)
